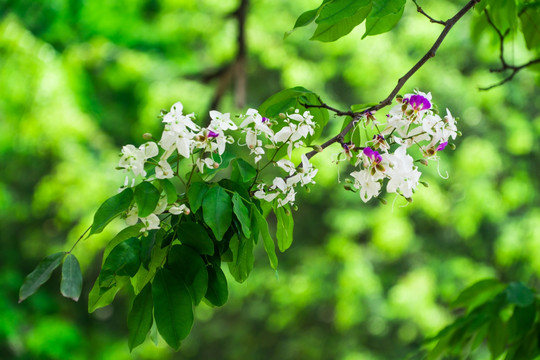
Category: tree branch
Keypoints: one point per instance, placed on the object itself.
(421, 11)
(504, 65)
(449, 24)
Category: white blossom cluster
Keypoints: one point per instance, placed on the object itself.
(409, 123)
(297, 128)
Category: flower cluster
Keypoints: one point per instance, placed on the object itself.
(412, 122)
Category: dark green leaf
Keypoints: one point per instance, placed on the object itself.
(245, 171)
(521, 321)
(129, 232)
(169, 189)
(172, 308)
(242, 257)
(196, 193)
(478, 293)
(242, 214)
(190, 269)
(195, 236)
(110, 209)
(99, 298)
(327, 32)
(124, 260)
(497, 337)
(71, 284)
(146, 197)
(305, 19)
(217, 211)
(519, 294)
(140, 317)
(217, 292)
(269, 246)
(530, 24)
(282, 101)
(40, 275)
(384, 16)
(284, 228)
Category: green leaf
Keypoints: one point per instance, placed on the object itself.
(497, 337)
(40, 275)
(124, 234)
(268, 243)
(284, 229)
(242, 261)
(217, 211)
(71, 284)
(196, 193)
(478, 293)
(384, 16)
(217, 292)
(99, 298)
(190, 269)
(305, 19)
(519, 294)
(361, 107)
(521, 322)
(242, 214)
(169, 189)
(530, 24)
(282, 101)
(195, 236)
(244, 170)
(338, 10)
(140, 317)
(320, 116)
(110, 209)
(329, 31)
(146, 197)
(173, 310)
(503, 13)
(124, 260)
(144, 276)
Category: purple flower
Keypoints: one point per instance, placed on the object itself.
(373, 155)
(212, 134)
(264, 119)
(442, 146)
(419, 102)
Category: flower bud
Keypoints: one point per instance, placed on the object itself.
(147, 136)
(452, 146)
(379, 167)
(459, 133)
(383, 201)
(423, 162)
(409, 200)
(409, 112)
(424, 183)
(215, 165)
(317, 148)
(348, 188)
(403, 107)
(287, 212)
(282, 116)
(295, 208)
(348, 181)
(187, 211)
(399, 98)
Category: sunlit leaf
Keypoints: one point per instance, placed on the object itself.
(71, 285)
(110, 209)
(146, 197)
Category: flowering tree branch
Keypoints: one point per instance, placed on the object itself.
(449, 24)
(504, 65)
(421, 11)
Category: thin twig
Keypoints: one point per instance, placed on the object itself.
(401, 82)
(421, 11)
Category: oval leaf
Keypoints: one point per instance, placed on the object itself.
(217, 211)
(71, 284)
(196, 237)
(40, 275)
(172, 308)
(242, 214)
(284, 228)
(196, 193)
(140, 317)
(269, 246)
(189, 268)
(218, 291)
(110, 209)
(146, 197)
(169, 189)
(124, 260)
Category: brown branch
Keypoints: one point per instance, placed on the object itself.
(421, 11)
(388, 100)
(504, 65)
(328, 107)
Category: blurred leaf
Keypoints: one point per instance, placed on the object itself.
(196, 193)
(187, 266)
(140, 317)
(172, 308)
(530, 24)
(40, 275)
(217, 211)
(71, 284)
(497, 337)
(269, 246)
(110, 209)
(331, 31)
(522, 321)
(242, 214)
(519, 294)
(242, 257)
(282, 101)
(284, 227)
(384, 16)
(195, 236)
(217, 292)
(146, 197)
(478, 293)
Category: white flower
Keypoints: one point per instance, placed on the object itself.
(164, 170)
(151, 222)
(369, 185)
(209, 162)
(286, 165)
(161, 205)
(179, 209)
(221, 121)
(403, 175)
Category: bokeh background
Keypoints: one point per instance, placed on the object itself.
(79, 79)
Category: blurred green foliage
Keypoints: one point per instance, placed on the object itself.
(79, 79)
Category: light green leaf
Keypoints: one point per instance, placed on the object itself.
(40, 275)
(189, 268)
(218, 291)
(328, 32)
(144, 276)
(530, 24)
(71, 284)
(284, 229)
(110, 209)
(99, 298)
(140, 317)
(124, 234)
(242, 261)
(269, 246)
(496, 337)
(196, 193)
(169, 189)
(384, 16)
(245, 171)
(306, 18)
(478, 293)
(217, 211)
(338, 10)
(242, 214)
(282, 101)
(146, 197)
(195, 236)
(173, 310)
(124, 260)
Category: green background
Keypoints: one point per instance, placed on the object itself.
(79, 79)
